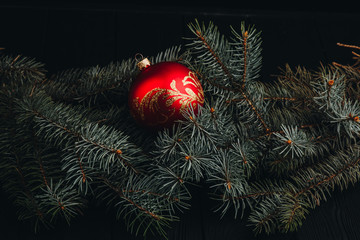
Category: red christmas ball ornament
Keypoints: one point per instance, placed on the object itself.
(161, 92)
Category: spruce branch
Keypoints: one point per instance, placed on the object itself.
(92, 85)
(21, 192)
(278, 148)
(310, 186)
(291, 214)
(292, 90)
(167, 144)
(229, 179)
(104, 145)
(21, 69)
(141, 209)
(62, 200)
(331, 173)
(286, 208)
(207, 46)
(346, 116)
(171, 181)
(101, 84)
(247, 54)
(295, 142)
(264, 220)
(78, 172)
(196, 126)
(330, 89)
(172, 54)
(247, 156)
(34, 170)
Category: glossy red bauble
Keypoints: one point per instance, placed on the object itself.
(162, 91)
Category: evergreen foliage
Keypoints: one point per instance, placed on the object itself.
(279, 148)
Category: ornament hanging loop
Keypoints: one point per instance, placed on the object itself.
(142, 62)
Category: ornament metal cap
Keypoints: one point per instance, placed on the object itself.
(143, 63)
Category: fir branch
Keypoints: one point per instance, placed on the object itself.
(197, 126)
(141, 191)
(27, 164)
(167, 143)
(95, 83)
(247, 55)
(20, 181)
(291, 99)
(259, 189)
(247, 155)
(310, 184)
(245, 130)
(170, 180)
(228, 179)
(329, 88)
(79, 173)
(292, 212)
(215, 116)
(212, 42)
(208, 44)
(265, 217)
(90, 84)
(255, 195)
(330, 176)
(145, 212)
(21, 69)
(265, 126)
(28, 192)
(346, 116)
(292, 84)
(61, 200)
(295, 142)
(104, 144)
(172, 54)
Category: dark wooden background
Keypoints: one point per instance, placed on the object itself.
(86, 33)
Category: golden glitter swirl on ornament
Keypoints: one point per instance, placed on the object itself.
(151, 99)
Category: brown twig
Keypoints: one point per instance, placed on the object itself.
(15, 59)
(348, 46)
(245, 35)
(43, 172)
(81, 169)
(357, 56)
